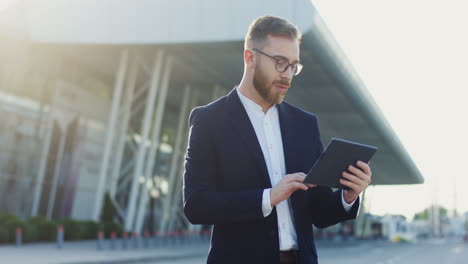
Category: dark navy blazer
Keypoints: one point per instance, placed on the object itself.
(225, 175)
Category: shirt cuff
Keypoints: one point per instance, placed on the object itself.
(266, 204)
(346, 206)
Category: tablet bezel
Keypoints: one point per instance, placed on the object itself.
(328, 168)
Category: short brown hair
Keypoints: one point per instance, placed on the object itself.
(270, 25)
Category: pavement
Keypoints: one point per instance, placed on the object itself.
(88, 252)
(195, 251)
(378, 252)
(434, 251)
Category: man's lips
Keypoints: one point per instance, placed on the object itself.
(281, 86)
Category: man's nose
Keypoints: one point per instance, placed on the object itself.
(288, 74)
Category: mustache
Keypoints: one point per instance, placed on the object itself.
(283, 82)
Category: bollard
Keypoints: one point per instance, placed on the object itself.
(113, 240)
(60, 236)
(179, 237)
(175, 237)
(146, 235)
(100, 240)
(19, 236)
(125, 240)
(183, 238)
(189, 237)
(202, 235)
(135, 240)
(193, 236)
(172, 239)
(206, 235)
(166, 238)
(155, 238)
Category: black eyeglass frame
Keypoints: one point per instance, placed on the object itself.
(296, 68)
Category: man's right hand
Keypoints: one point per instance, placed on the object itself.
(286, 186)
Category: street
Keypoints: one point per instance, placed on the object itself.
(330, 252)
(380, 253)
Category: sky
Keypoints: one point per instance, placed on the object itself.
(413, 58)
(5, 3)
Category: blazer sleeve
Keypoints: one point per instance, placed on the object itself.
(327, 208)
(326, 205)
(203, 203)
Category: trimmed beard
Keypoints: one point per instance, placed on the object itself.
(266, 91)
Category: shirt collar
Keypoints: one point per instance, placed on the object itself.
(251, 105)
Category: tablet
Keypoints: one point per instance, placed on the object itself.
(335, 159)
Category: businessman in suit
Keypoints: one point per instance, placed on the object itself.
(246, 158)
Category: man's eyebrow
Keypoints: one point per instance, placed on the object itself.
(286, 59)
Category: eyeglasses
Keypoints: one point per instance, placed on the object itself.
(282, 65)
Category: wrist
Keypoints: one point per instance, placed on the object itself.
(349, 197)
(272, 198)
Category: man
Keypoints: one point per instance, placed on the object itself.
(246, 159)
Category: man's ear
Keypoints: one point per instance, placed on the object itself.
(249, 58)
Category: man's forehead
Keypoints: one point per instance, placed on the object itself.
(283, 46)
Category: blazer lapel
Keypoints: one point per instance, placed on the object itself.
(243, 127)
(287, 126)
(290, 140)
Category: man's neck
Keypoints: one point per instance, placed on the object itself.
(250, 92)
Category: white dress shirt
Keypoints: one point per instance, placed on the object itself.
(267, 129)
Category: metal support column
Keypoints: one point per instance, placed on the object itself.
(44, 158)
(179, 177)
(154, 144)
(175, 158)
(122, 131)
(176, 200)
(110, 134)
(58, 165)
(138, 169)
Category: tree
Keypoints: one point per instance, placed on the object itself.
(424, 215)
(107, 214)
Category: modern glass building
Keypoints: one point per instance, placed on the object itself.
(95, 98)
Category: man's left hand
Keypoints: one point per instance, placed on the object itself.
(357, 180)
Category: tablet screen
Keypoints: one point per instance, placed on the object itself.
(335, 159)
